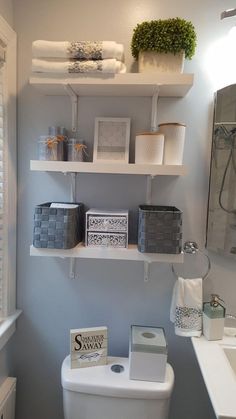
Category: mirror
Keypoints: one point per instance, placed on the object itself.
(221, 226)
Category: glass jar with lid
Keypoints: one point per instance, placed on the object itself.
(47, 148)
(76, 150)
(52, 146)
(61, 137)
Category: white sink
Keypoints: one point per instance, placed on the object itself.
(217, 361)
(230, 352)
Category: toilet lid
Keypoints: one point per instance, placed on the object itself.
(101, 380)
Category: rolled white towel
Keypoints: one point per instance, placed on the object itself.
(82, 50)
(86, 66)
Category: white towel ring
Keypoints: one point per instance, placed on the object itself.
(192, 248)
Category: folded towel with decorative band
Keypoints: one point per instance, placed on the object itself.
(186, 307)
(81, 50)
(89, 66)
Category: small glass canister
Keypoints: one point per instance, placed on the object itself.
(60, 135)
(47, 148)
(52, 146)
(76, 150)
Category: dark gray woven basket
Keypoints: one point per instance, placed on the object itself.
(58, 228)
(159, 229)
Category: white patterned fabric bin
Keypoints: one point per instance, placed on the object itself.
(107, 228)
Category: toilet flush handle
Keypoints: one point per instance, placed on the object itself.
(117, 368)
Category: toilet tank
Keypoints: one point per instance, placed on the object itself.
(105, 392)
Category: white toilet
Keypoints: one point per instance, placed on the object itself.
(106, 392)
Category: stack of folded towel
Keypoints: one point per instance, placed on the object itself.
(78, 57)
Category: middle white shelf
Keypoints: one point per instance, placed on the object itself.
(132, 253)
(111, 168)
(80, 251)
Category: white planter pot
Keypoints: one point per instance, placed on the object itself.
(174, 134)
(149, 147)
(149, 62)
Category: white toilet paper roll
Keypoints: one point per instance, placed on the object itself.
(149, 148)
(174, 142)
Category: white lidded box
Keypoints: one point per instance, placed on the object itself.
(147, 353)
(106, 228)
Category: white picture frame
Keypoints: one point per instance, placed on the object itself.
(111, 140)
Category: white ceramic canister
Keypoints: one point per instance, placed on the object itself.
(149, 147)
(174, 134)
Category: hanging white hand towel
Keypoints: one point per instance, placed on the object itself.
(186, 307)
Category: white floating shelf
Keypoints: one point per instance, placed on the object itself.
(128, 84)
(132, 253)
(111, 168)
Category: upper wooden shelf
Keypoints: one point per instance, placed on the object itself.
(128, 84)
(111, 168)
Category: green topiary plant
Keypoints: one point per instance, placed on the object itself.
(169, 35)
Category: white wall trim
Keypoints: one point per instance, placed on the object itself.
(8, 327)
(8, 37)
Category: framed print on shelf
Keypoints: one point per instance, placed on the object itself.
(111, 140)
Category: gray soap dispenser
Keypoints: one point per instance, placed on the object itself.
(213, 318)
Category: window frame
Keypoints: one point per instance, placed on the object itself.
(10, 314)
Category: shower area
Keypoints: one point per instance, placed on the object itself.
(221, 226)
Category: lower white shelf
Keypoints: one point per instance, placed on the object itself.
(132, 253)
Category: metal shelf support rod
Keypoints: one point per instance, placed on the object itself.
(149, 189)
(74, 126)
(74, 104)
(154, 109)
(146, 268)
(72, 273)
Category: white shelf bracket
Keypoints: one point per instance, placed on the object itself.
(72, 273)
(154, 109)
(73, 187)
(146, 268)
(153, 129)
(74, 104)
(149, 189)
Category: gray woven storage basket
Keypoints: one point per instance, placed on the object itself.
(159, 229)
(58, 228)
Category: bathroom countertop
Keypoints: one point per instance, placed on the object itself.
(219, 377)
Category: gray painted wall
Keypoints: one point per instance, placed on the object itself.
(108, 292)
(6, 11)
